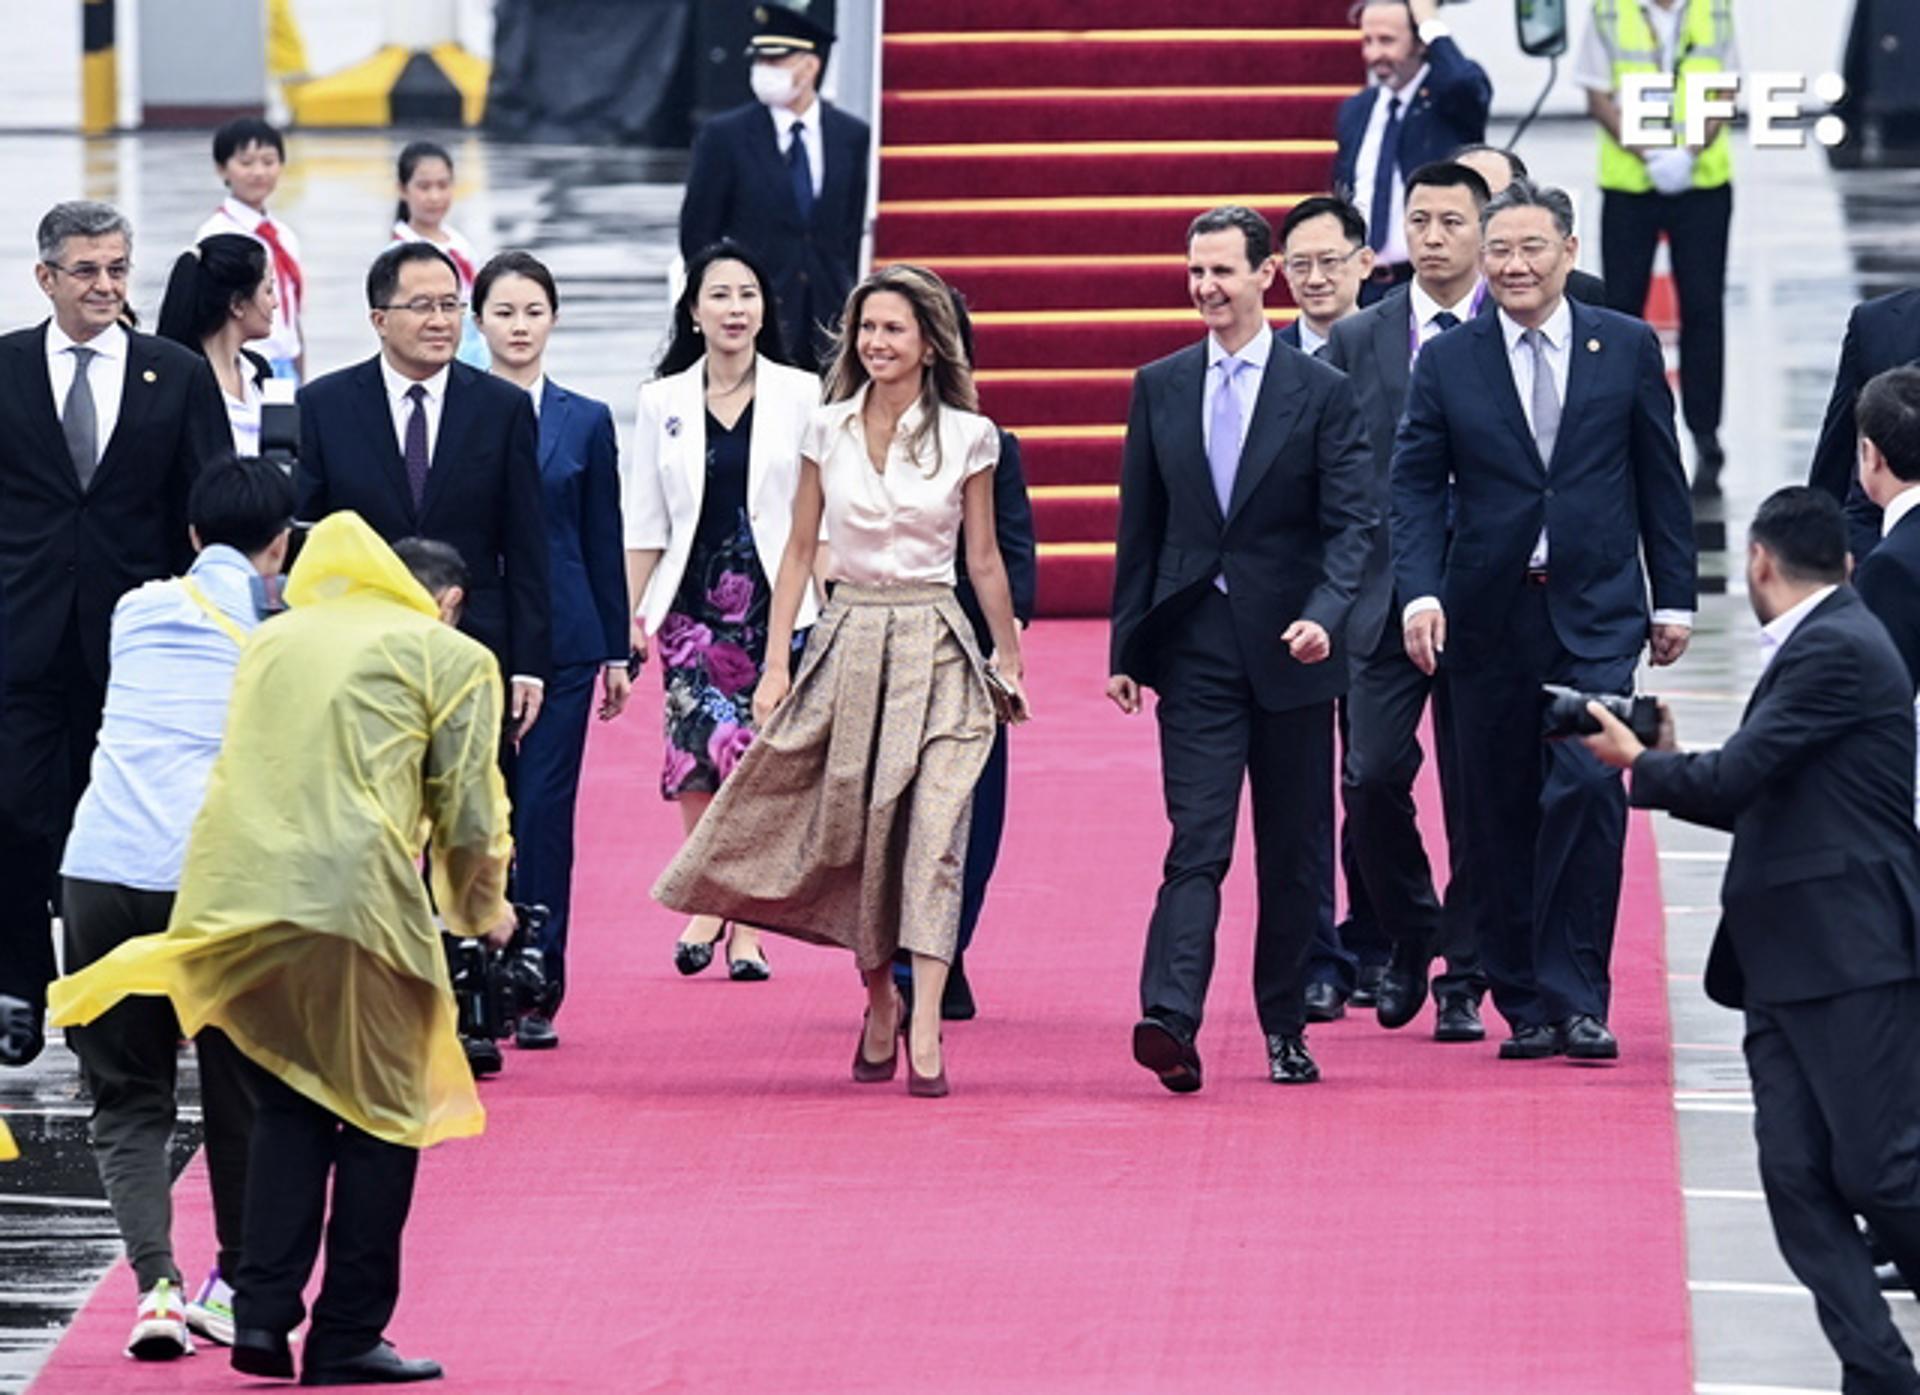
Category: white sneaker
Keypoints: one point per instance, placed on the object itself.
(160, 1328)
(210, 1314)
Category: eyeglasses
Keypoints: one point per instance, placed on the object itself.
(1533, 251)
(1327, 264)
(422, 306)
(87, 272)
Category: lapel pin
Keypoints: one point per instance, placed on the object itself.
(1593, 346)
(673, 426)
(150, 376)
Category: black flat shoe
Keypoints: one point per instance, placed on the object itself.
(746, 970)
(1587, 1039)
(1325, 1002)
(380, 1366)
(690, 958)
(1532, 1044)
(534, 1032)
(1403, 986)
(1366, 992)
(1168, 1053)
(258, 1352)
(1457, 1018)
(1289, 1062)
(956, 1000)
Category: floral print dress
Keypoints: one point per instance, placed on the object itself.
(713, 642)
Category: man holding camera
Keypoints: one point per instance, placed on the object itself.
(361, 722)
(1820, 909)
(1553, 423)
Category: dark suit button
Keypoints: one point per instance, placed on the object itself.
(1549, 493)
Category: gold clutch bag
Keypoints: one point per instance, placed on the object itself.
(1007, 704)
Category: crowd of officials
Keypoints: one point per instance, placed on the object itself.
(1455, 477)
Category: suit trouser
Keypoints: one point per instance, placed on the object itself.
(1697, 224)
(548, 780)
(1383, 758)
(1339, 949)
(128, 1057)
(48, 727)
(1546, 821)
(300, 1145)
(1214, 738)
(1836, 1093)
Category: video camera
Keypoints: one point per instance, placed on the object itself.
(494, 988)
(1563, 713)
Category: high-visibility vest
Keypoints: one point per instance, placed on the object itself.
(1704, 42)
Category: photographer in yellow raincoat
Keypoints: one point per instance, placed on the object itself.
(363, 728)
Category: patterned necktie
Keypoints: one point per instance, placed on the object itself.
(800, 171)
(417, 445)
(287, 278)
(78, 422)
(1383, 176)
(1546, 402)
(1223, 438)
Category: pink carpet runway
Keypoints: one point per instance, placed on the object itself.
(690, 1195)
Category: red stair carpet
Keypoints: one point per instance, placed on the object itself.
(1049, 169)
(691, 1196)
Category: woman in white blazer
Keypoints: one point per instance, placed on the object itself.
(708, 497)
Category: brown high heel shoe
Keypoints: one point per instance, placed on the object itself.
(867, 1072)
(930, 1087)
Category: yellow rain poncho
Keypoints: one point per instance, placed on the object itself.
(359, 721)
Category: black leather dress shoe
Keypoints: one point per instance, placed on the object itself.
(956, 1000)
(1169, 1053)
(1289, 1062)
(1457, 1018)
(258, 1352)
(1325, 1002)
(380, 1366)
(534, 1032)
(1588, 1039)
(483, 1056)
(1366, 992)
(1532, 1044)
(21, 1036)
(1403, 986)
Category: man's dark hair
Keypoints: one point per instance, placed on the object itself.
(1450, 174)
(1325, 206)
(242, 132)
(1888, 414)
(1256, 229)
(514, 264)
(383, 277)
(1806, 533)
(243, 502)
(1524, 193)
(434, 564)
(1516, 166)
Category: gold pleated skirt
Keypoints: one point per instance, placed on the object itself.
(845, 822)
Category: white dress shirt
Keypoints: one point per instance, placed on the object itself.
(1311, 341)
(401, 405)
(783, 122)
(1393, 251)
(283, 343)
(1558, 334)
(106, 376)
(1778, 630)
(538, 392)
(243, 412)
(1246, 385)
(1425, 308)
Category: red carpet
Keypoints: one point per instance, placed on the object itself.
(1049, 169)
(690, 1196)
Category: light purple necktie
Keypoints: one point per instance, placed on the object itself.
(1223, 439)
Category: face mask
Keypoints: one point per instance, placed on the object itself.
(773, 85)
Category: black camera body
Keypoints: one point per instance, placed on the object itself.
(494, 988)
(1563, 713)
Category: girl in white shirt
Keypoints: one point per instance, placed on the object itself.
(221, 295)
(426, 197)
(846, 821)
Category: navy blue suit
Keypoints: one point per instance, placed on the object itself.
(1448, 111)
(580, 486)
(1888, 580)
(1882, 333)
(1544, 816)
(738, 186)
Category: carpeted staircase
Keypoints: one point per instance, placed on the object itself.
(1049, 170)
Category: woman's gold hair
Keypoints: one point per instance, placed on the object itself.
(946, 381)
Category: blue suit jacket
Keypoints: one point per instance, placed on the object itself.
(1614, 488)
(1449, 111)
(580, 485)
(1882, 333)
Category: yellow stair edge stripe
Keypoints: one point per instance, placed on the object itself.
(1094, 94)
(1053, 375)
(1185, 315)
(1117, 432)
(955, 37)
(1076, 549)
(1094, 203)
(1072, 492)
(1051, 149)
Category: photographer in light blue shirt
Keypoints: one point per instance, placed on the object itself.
(172, 655)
